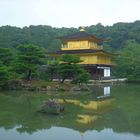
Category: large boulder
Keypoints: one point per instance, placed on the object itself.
(51, 107)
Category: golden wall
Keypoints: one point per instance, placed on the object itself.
(76, 45)
(104, 59)
(88, 59)
(91, 58)
(93, 45)
(95, 59)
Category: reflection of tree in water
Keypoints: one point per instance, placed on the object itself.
(82, 112)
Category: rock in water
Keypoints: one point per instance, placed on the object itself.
(51, 107)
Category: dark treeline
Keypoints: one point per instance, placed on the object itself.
(46, 36)
(22, 50)
(29, 62)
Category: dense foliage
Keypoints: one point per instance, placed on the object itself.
(123, 38)
(70, 69)
(65, 67)
(46, 36)
(128, 61)
(29, 57)
(6, 59)
(4, 75)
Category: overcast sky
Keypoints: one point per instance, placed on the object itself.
(67, 13)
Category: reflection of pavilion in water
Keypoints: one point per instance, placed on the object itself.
(83, 112)
(105, 91)
(93, 109)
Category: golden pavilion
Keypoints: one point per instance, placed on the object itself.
(88, 47)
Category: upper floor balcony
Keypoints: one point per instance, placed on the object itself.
(81, 45)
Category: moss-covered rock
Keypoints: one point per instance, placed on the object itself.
(51, 107)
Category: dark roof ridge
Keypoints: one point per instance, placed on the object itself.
(81, 35)
(78, 51)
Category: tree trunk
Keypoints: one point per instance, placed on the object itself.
(63, 80)
(29, 75)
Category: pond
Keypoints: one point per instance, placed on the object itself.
(104, 113)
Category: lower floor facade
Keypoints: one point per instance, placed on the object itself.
(96, 62)
(98, 72)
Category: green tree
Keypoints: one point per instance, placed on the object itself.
(46, 36)
(81, 77)
(128, 62)
(53, 70)
(6, 56)
(49, 72)
(4, 75)
(69, 68)
(29, 58)
(6, 59)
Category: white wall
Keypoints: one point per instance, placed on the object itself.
(107, 72)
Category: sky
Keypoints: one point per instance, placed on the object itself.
(68, 13)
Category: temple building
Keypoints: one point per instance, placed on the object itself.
(90, 50)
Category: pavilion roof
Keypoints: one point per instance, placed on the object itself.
(81, 35)
(82, 51)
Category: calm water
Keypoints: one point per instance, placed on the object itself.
(105, 113)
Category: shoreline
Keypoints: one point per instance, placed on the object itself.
(55, 85)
